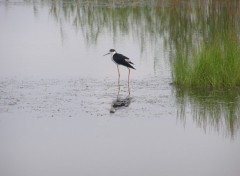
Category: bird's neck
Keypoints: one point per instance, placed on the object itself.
(113, 53)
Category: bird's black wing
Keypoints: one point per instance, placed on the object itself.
(126, 58)
(122, 60)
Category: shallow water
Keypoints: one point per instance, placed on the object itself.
(57, 90)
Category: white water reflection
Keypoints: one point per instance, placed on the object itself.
(40, 46)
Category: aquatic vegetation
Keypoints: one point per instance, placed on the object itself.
(206, 52)
(214, 65)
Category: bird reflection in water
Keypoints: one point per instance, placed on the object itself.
(120, 102)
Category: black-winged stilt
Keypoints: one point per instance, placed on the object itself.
(120, 59)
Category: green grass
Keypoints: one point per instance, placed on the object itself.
(213, 66)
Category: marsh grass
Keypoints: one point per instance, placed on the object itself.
(214, 65)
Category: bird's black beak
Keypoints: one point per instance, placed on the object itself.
(106, 54)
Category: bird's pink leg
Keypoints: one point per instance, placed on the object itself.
(128, 81)
(118, 92)
(118, 76)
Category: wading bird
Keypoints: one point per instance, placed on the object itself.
(120, 59)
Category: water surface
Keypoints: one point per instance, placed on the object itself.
(56, 91)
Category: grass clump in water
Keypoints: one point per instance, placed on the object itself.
(213, 66)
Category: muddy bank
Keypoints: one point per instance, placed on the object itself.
(76, 97)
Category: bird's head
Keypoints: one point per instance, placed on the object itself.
(111, 51)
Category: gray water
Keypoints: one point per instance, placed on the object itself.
(57, 90)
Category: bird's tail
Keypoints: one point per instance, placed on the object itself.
(130, 66)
